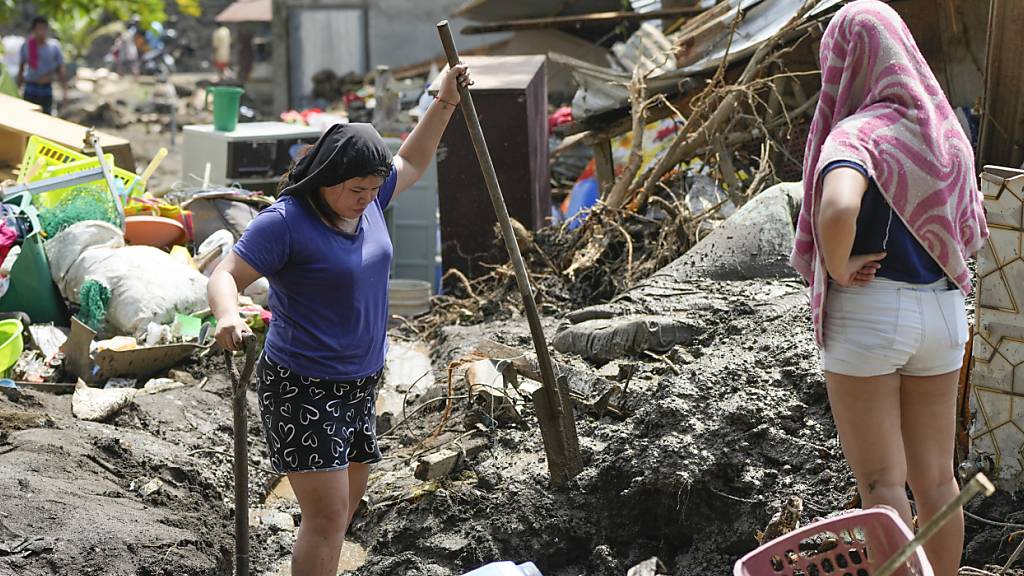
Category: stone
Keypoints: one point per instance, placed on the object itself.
(444, 462)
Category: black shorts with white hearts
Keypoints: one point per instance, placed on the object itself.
(316, 425)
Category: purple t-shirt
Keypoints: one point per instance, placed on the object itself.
(328, 290)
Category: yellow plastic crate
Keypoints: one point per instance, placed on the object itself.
(51, 153)
(61, 161)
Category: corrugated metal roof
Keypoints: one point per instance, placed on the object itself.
(247, 11)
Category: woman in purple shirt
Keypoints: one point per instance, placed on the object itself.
(325, 249)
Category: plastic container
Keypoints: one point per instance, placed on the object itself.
(863, 540)
(61, 161)
(153, 231)
(32, 290)
(226, 101)
(506, 569)
(408, 297)
(11, 344)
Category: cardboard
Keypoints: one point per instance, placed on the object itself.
(17, 123)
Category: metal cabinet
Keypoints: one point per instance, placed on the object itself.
(412, 223)
(510, 94)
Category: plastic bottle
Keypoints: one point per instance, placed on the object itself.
(506, 569)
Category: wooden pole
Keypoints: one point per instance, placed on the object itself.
(978, 484)
(240, 466)
(554, 407)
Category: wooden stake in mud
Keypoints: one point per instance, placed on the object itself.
(554, 407)
(240, 466)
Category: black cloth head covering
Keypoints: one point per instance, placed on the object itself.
(344, 152)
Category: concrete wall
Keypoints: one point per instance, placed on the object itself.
(404, 32)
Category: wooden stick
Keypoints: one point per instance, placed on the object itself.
(555, 414)
(577, 21)
(638, 97)
(979, 483)
(240, 465)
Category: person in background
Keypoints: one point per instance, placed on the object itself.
(41, 61)
(891, 213)
(221, 50)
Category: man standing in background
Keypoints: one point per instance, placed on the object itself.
(221, 50)
(41, 60)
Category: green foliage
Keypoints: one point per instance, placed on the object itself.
(79, 23)
(148, 10)
(78, 31)
(190, 8)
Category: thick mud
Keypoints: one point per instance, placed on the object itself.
(721, 430)
(712, 436)
(74, 490)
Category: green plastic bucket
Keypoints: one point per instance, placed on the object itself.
(11, 344)
(226, 101)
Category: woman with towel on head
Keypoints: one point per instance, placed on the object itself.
(325, 249)
(891, 213)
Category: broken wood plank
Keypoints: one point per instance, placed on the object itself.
(580, 20)
(588, 386)
(444, 462)
(1002, 125)
(51, 387)
(605, 165)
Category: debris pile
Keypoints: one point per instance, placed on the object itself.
(675, 322)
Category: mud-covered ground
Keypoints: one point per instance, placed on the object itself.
(73, 489)
(714, 435)
(720, 431)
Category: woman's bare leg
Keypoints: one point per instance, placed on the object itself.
(323, 498)
(867, 415)
(358, 475)
(929, 432)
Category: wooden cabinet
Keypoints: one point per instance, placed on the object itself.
(510, 93)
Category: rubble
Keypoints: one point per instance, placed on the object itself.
(664, 289)
(98, 405)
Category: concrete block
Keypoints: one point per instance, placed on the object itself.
(997, 379)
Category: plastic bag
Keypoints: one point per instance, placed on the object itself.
(146, 284)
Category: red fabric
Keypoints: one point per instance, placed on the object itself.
(8, 238)
(561, 116)
(33, 53)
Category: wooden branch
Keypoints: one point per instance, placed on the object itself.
(605, 166)
(687, 142)
(638, 96)
(580, 20)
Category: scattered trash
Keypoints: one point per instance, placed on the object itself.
(93, 298)
(10, 389)
(506, 569)
(147, 284)
(119, 383)
(151, 487)
(96, 404)
(158, 385)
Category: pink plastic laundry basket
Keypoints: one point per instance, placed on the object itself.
(854, 544)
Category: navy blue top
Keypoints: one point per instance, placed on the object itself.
(328, 289)
(906, 260)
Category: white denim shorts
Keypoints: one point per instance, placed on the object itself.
(891, 327)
